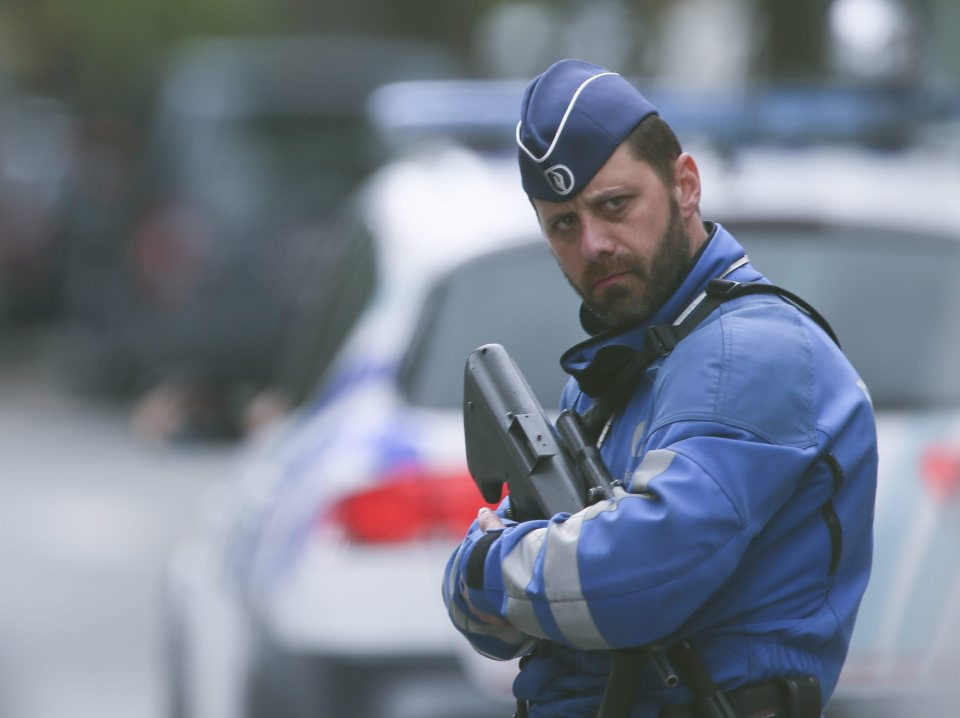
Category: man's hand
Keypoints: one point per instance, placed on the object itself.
(488, 521)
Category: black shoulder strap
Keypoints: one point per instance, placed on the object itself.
(661, 339)
(725, 289)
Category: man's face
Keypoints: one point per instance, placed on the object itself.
(621, 242)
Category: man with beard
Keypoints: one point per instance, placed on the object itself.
(738, 545)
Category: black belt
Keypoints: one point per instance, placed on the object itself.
(794, 697)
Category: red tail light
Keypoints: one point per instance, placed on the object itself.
(940, 468)
(410, 505)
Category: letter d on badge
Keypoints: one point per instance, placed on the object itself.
(560, 178)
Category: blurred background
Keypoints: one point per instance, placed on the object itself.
(172, 180)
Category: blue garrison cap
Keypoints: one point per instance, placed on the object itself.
(573, 116)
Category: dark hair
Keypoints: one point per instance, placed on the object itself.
(653, 142)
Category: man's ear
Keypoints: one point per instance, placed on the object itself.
(687, 187)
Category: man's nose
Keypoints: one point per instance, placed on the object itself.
(595, 241)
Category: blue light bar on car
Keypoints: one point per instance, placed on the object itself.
(797, 114)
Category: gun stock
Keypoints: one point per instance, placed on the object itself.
(511, 441)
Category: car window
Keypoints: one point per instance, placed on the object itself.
(517, 298)
(892, 298)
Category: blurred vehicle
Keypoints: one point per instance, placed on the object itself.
(253, 146)
(311, 586)
(35, 138)
(329, 564)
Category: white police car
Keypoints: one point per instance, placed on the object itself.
(319, 591)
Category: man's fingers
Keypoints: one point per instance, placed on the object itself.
(488, 520)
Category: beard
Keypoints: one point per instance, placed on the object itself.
(621, 305)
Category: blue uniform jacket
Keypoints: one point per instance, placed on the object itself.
(749, 462)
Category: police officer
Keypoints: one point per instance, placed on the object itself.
(746, 445)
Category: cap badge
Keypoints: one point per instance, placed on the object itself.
(560, 178)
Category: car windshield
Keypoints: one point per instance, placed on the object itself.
(893, 300)
(517, 298)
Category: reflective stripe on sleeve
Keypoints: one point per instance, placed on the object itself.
(561, 573)
(517, 570)
(654, 463)
(561, 579)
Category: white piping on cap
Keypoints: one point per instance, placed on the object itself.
(563, 120)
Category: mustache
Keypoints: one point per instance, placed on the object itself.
(595, 271)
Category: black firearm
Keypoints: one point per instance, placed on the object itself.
(548, 469)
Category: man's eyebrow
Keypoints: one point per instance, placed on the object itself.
(606, 193)
(548, 216)
(551, 219)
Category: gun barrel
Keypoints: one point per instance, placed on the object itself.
(585, 456)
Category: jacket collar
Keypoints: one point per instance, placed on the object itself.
(718, 253)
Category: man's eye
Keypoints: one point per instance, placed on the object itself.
(615, 202)
(564, 222)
